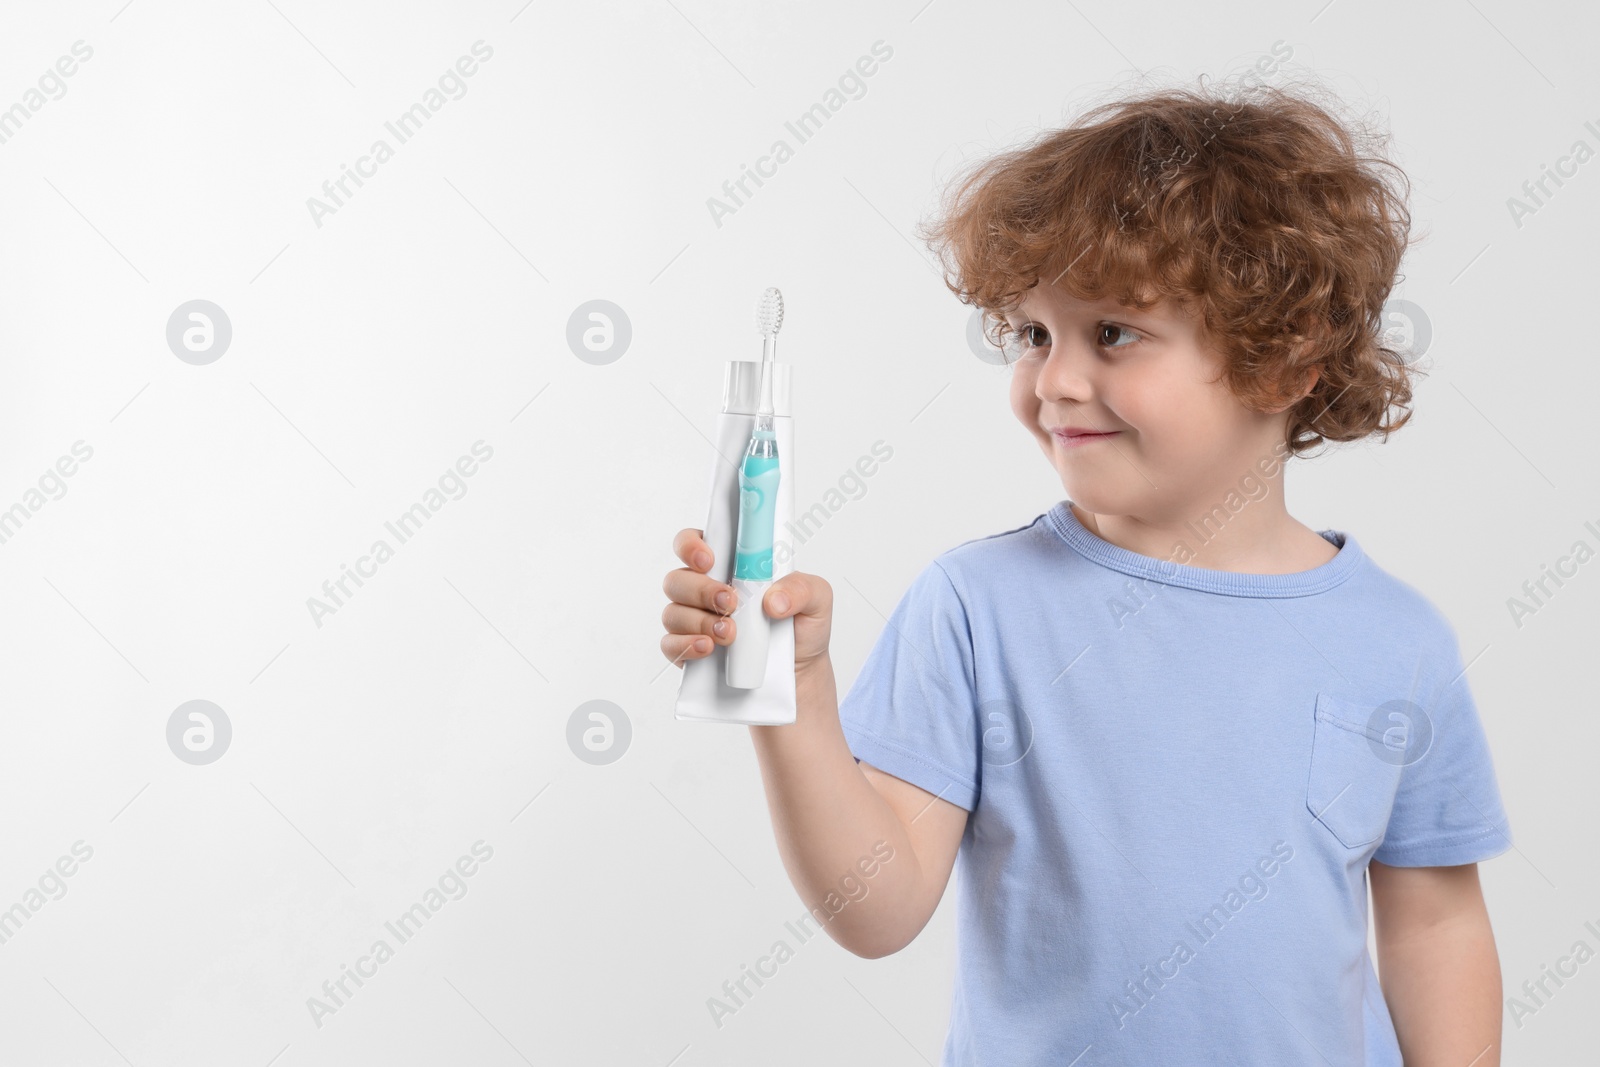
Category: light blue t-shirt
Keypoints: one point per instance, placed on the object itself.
(1176, 777)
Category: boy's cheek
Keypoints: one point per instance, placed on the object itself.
(1024, 401)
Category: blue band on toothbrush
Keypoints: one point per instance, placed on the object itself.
(758, 504)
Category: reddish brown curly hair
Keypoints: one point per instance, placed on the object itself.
(1255, 207)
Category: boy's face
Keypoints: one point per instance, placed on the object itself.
(1178, 440)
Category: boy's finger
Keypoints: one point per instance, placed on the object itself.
(690, 546)
(795, 594)
(679, 647)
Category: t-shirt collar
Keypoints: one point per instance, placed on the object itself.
(1169, 572)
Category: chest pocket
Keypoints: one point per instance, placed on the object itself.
(1355, 772)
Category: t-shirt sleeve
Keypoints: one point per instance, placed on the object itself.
(1447, 810)
(912, 712)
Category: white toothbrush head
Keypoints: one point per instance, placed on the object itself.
(769, 313)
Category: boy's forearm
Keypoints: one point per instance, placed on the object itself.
(1442, 984)
(828, 819)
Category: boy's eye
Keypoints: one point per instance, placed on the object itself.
(1032, 335)
(1104, 326)
(1025, 340)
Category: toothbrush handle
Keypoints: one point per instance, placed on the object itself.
(752, 571)
(758, 516)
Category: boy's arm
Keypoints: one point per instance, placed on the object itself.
(1437, 964)
(830, 815)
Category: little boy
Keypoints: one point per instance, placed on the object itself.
(1171, 733)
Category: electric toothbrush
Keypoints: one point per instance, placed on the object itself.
(758, 499)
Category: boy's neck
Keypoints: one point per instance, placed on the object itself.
(1260, 539)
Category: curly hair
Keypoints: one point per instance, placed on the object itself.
(1256, 208)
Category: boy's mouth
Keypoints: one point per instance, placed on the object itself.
(1073, 437)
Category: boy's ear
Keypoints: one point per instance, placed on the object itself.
(1309, 381)
(1309, 376)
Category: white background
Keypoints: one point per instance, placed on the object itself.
(430, 311)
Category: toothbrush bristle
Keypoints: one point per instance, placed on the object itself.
(769, 313)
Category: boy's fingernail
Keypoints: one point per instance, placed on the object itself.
(702, 560)
(724, 600)
(780, 603)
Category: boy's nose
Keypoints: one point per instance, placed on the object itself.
(1063, 377)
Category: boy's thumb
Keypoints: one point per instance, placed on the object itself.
(789, 595)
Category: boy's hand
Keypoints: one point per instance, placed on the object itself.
(694, 614)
